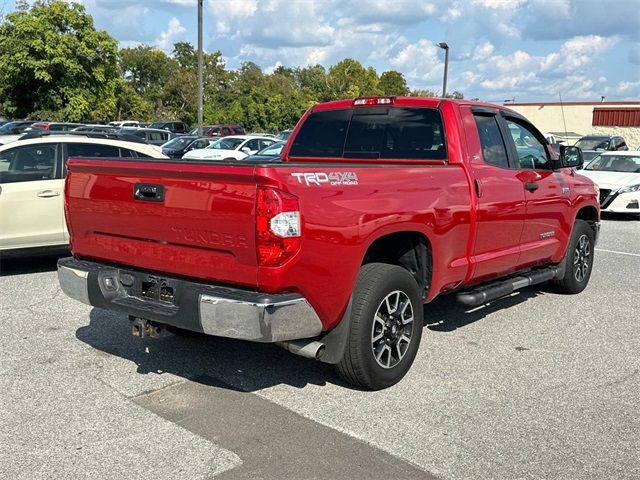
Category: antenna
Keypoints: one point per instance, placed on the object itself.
(564, 122)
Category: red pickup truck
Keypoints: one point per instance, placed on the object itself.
(378, 205)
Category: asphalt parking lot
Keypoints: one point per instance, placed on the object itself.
(536, 385)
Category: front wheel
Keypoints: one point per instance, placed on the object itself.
(578, 260)
(386, 327)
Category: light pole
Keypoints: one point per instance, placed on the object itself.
(445, 47)
(200, 62)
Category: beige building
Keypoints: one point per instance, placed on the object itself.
(583, 118)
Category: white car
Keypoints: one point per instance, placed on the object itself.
(32, 186)
(4, 139)
(617, 175)
(235, 147)
(125, 123)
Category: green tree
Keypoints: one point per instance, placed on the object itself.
(456, 95)
(393, 83)
(423, 93)
(54, 63)
(348, 79)
(313, 82)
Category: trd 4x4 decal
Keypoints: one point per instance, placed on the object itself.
(332, 178)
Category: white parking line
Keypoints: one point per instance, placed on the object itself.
(619, 253)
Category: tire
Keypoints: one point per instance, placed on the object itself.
(578, 260)
(391, 295)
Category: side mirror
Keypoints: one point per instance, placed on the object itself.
(245, 150)
(571, 157)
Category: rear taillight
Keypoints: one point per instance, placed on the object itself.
(278, 226)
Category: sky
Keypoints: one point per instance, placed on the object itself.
(522, 50)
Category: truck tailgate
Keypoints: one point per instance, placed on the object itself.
(192, 220)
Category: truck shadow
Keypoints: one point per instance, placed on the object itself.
(247, 366)
(445, 314)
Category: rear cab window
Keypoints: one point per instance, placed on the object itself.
(414, 133)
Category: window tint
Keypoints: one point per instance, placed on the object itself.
(92, 150)
(157, 136)
(226, 131)
(253, 145)
(322, 134)
(28, 163)
(126, 153)
(372, 132)
(494, 151)
(532, 154)
(265, 143)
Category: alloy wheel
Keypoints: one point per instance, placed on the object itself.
(392, 329)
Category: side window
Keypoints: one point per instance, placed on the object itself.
(226, 131)
(494, 151)
(126, 153)
(253, 145)
(88, 150)
(28, 163)
(157, 136)
(532, 153)
(265, 143)
(215, 131)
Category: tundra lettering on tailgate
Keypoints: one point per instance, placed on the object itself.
(332, 178)
(211, 238)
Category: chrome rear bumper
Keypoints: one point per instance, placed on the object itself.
(211, 309)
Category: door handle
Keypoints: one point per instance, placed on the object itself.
(48, 194)
(148, 192)
(531, 186)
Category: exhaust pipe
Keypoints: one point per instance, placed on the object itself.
(305, 348)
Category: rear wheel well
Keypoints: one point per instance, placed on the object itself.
(409, 250)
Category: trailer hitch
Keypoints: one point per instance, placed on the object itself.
(144, 328)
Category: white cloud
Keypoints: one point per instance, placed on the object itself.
(419, 62)
(173, 34)
(233, 9)
(483, 51)
(499, 4)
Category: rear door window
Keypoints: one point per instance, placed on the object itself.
(372, 133)
(28, 163)
(494, 151)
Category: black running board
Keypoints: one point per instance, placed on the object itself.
(486, 293)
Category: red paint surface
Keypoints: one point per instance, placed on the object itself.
(205, 229)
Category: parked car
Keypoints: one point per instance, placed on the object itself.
(230, 148)
(32, 176)
(152, 136)
(178, 146)
(53, 126)
(179, 128)
(592, 145)
(15, 127)
(262, 134)
(269, 154)
(617, 174)
(284, 134)
(219, 130)
(125, 123)
(375, 209)
(95, 129)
